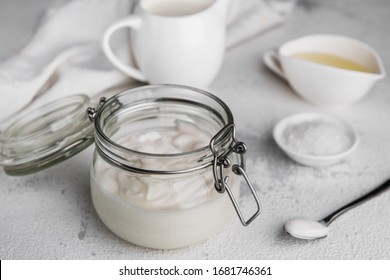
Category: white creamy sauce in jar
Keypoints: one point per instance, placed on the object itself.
(161, 211)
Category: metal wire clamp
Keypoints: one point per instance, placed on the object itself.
(221, 161)
(92, 111)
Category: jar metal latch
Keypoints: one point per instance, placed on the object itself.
(92, 111)
(221, 161)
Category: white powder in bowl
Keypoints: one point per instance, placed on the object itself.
(317, 137)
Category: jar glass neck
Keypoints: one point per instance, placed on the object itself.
(152, 108)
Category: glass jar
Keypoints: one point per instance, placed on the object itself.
(152, 177)
(166, 168)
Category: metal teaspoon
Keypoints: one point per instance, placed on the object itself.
(311, 229)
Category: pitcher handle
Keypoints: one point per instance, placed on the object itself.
(133, 22)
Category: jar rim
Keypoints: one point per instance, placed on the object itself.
(109, 149)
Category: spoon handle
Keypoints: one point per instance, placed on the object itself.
(375, 192)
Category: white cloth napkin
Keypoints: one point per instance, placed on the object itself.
(250, 18)
(64, 56)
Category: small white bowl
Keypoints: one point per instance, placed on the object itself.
(308, 159)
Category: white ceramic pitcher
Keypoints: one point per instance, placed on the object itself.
(173, 41)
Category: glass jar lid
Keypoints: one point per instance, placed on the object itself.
(46, 135)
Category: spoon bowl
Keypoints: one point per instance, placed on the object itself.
(306, 229)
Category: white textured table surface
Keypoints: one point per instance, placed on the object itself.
(49, 215)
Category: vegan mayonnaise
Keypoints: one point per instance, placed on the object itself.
(160, 211)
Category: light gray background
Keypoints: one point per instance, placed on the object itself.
(49, 215)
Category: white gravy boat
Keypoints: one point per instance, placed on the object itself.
(322, 84)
